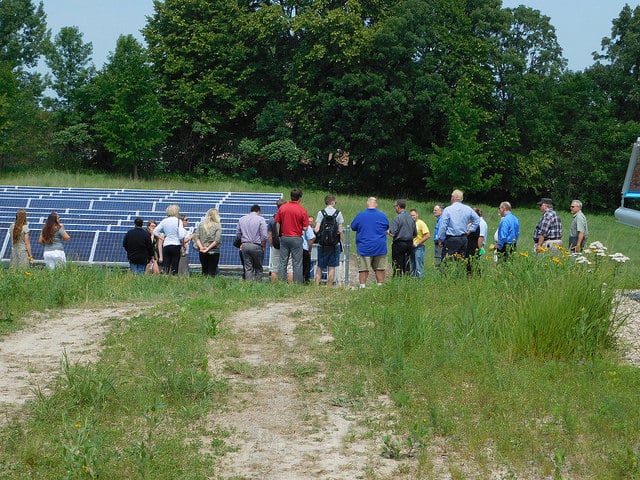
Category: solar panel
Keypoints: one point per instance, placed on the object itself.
(53, 204)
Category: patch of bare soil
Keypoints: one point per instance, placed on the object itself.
(282, 426)
(31, 357)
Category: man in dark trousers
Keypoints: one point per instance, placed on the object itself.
(252, 230)
(403, 230)
(137, 243)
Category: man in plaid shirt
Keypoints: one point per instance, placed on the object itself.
(548, 233)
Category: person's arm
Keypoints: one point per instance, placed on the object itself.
(545, 228)
(580, 238)
(65, 236)
(311, 240)
(499, 235)
(264, 234)
(425, 236)
(198, 240)
(217, 237)
(160, 242)
(27, 244)
(442, 229)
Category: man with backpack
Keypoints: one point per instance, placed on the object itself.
(328, 241)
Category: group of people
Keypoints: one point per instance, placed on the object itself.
(291, 235)
(167, 243)
(548, 232)
(460, 233)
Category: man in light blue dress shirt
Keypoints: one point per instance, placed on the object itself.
(456, 222)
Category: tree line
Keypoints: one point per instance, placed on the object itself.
(397, 97)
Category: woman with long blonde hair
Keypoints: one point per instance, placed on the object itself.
(170, 233)
(207, 238)
(20, 242)
(52, 235)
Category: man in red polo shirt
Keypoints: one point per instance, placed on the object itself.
(291, 221)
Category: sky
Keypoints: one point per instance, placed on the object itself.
(580, 24)
(101, 22)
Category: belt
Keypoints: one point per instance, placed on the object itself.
(455, 236)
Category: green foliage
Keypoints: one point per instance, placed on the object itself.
(68, 58)
(461, 163)
(86, 386)
(22, 33)
(412, 96)
(129, 119)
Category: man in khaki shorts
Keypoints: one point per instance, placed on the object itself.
(371, 227)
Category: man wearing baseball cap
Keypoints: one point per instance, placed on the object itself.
(548, 232)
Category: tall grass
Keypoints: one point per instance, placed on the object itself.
(516, 365)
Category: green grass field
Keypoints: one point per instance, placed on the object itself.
(516, 370)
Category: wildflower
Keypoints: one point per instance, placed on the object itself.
(557, 260)
(27, 273)
(581, 259)
(619, 257)
(524, 254)
(542, 249)
(597, 246)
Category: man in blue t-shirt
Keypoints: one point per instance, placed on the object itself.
(508, 231)
(371, 227)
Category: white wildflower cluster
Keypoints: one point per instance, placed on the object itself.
(619, 257)
(599, 250)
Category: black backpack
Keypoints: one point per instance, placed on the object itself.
(329, 232)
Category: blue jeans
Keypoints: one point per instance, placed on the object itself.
(417, 261)
(137, 268)
(291, 246)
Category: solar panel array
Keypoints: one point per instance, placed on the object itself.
(97, 219)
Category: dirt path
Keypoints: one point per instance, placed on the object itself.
(31, 357)
(284, 421)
